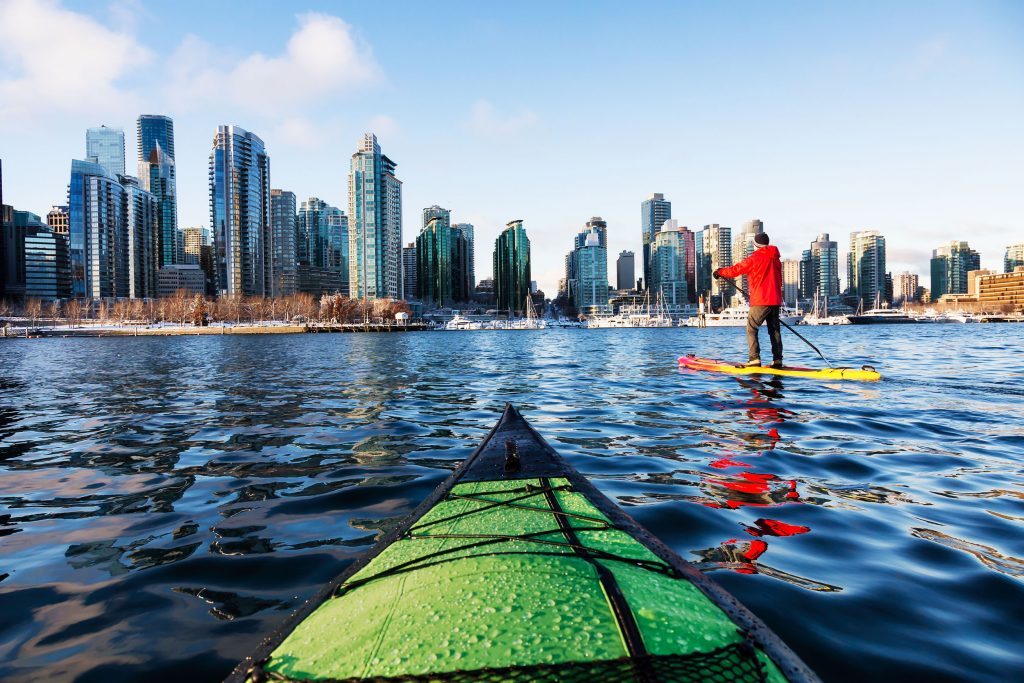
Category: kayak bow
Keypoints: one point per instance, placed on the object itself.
(517, 568)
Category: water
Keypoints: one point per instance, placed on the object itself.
(166, 501)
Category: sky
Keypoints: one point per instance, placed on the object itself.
(907, 118)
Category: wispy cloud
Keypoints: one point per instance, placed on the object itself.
(44, 69)
(323, 57)
(929, 54)
(485, 119)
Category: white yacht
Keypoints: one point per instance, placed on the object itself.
(460, 322)
(735, 316)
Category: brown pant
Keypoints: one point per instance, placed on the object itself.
(757, 316)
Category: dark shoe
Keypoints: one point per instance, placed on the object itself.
(756, 363)
(777, 364)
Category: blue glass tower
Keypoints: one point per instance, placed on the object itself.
(157, 175)
(105, 146)
(240, 213)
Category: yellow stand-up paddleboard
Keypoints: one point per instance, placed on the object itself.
(865, 373)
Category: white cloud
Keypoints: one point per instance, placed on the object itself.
(298, 131)
(486, 120)
(929, 54)
(383, 126)
(322, 57)
(54, 59)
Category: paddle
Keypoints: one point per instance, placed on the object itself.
(786, 325)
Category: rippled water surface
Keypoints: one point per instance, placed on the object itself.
(166, 501)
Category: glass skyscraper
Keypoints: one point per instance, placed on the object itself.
(819, 269)
(654, 211)
(46, 267)
(865, 267)
(467, 232)
(97, 233)
(713, 250)
(625, 271)
(668, 265)
(409, 276)
(155, 136)
(591, 290)
(375, 228)
(283, 226)
(240, 213)
(434, 262)
(512, 268)
(105, 146)
(949, 267)
(141, 221)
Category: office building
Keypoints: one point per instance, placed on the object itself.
(713, 250)
(625, 271)
(195, 239)
(1001, 291)
(240, 213)
(1013, 258)
(375, 229)
(467, 233)
(791, 282)
(669, 267)
(950, 264)
(434, 252)
(57, 219)
(187, 278)
(865, 267)
(511, 263)
(47, 265)
(591, 291)
(409, 265)
(654, 211)
(322, 247)
(905, 288)
(105, 146)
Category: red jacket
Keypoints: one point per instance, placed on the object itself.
(763, 269)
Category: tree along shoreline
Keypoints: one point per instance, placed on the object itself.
(192, 311)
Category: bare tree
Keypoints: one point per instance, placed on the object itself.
(55, 311)
(198, 310)
(33, 308)
(137, 311)
(74, 312)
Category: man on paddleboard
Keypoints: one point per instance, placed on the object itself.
(763, 269)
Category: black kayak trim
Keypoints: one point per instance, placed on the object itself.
(538, 460)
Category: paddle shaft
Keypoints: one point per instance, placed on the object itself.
(786, 325)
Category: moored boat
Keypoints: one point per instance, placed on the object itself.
(516, 568)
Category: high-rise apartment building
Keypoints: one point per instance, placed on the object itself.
(654, 211)
(905, 288)
(668, 265)
(713, 250)
(865, 267)
(791, 281)
(375, 231)
(97, 233)
(240, 213)
(949, 267)
(743, 246)
(596, 225)
(105, 146)
(140, 229)
(467, 232)
(409, 276)
(155, 135)
(512, 268)
(1013, 257)
(57, 219)
(283, 227)
(625, 271)
(591, 289)
(819, 269)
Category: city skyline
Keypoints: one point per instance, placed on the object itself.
(793, 137)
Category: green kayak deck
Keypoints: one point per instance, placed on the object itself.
(516, 568)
